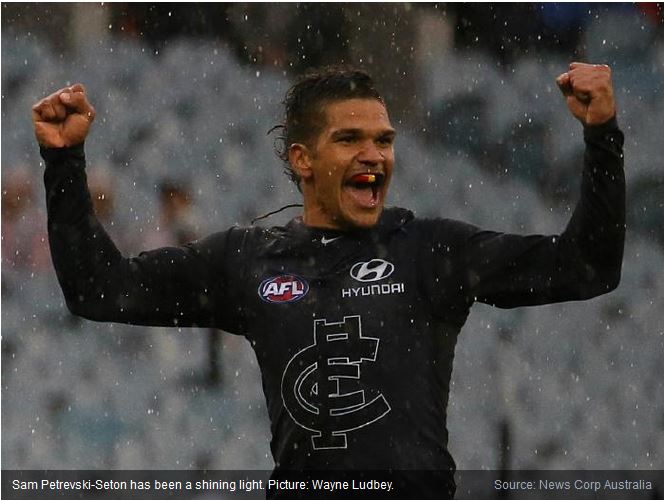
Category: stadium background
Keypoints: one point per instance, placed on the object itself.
(185, 96)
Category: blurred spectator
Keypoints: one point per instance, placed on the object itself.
(510, 30)
(24, 238)
(319, 35)
(178, 224)
(653, 11)
(157, 24)
(502, 29)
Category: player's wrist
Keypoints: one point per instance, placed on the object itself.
(54, 154)
(606, 126)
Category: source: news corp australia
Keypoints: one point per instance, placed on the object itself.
(579, 485)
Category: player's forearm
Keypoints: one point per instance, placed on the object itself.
(80, 248)
(595, 234)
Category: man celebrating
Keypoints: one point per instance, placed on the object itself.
(353, 310)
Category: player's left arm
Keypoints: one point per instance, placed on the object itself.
(585, 260)
(593, 242)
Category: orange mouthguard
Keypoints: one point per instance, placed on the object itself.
(364, 178)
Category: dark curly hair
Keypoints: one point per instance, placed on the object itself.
(305, 100)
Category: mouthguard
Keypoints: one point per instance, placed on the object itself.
(366, 178)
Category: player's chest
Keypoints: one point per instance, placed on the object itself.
(339, 281)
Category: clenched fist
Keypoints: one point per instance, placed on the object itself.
(588, 92)
(63, 119)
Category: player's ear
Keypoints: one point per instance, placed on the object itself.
(301, 160)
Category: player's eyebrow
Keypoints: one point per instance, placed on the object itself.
(355, 132)
(387, 134)
(336, 134)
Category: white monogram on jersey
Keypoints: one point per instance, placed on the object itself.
(325, 394)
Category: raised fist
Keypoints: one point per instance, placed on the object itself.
(588, 92)
(63, 118)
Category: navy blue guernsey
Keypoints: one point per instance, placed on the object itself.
(354, 331)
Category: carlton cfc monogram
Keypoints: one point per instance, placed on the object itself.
(322, 384)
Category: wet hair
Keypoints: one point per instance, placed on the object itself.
(305, 101)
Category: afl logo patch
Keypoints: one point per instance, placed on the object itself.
(283, 289)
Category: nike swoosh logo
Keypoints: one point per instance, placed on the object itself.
(326, 241)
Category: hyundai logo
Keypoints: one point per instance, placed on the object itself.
(371, 271)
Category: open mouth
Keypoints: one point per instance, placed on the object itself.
(364, 188)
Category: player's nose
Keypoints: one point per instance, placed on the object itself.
(370, 154)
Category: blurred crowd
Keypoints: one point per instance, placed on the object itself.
(180, 149)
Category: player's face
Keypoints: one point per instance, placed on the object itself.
(349, 166)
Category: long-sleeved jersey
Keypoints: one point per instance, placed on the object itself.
(354, 331)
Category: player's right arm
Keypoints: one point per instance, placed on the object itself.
(169, 286)
(582, 262)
